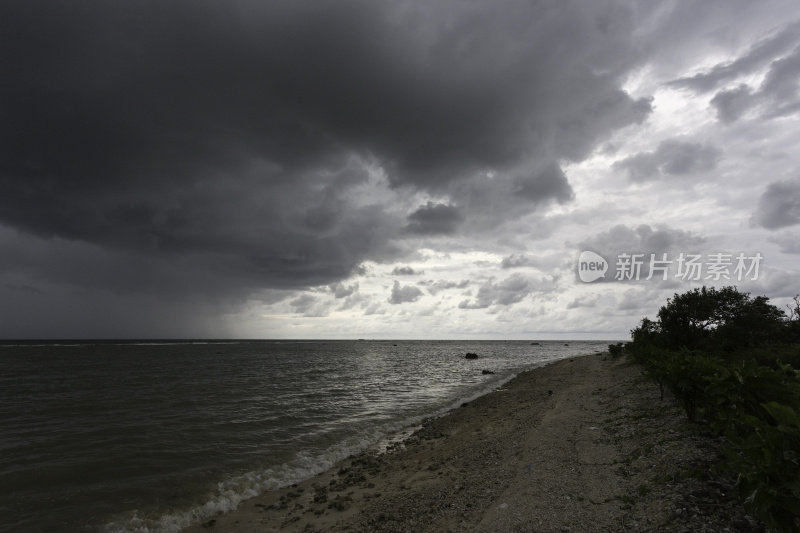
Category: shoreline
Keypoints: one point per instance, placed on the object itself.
(577, 444)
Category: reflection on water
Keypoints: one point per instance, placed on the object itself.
(153, 436)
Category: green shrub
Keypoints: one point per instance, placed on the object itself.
(765, 452)
(616, 350)
(730, 361)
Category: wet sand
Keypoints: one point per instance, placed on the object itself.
(584, 444)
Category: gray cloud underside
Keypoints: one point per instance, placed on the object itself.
(643, 239)
(673, 157)
(404, 294)
(789, 242)
(757, 56)
(776, 96)
(435, 287)
(518, 261)
(405, 271)
(340, 290)
(731, 104)
(224, 143)
(509, 291)
(779, 205)
(432, 219)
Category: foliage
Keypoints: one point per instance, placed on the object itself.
(764, 452)
(731, 362)
(710, 318)
(647, 334)
(616, 350)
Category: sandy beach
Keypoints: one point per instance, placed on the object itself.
(584, 444)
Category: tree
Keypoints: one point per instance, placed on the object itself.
(647, 333)
(713, 319)
(754, 323)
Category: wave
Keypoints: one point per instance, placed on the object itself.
(229, 494)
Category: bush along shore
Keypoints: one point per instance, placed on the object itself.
(732, 362)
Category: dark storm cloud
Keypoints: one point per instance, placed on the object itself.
(672, 157)
(228, 145)
(549, 183)
(89, 313)
(779, 205)
(24, 288)
(404, 293)
(432, 219)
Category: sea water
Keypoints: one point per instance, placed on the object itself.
(155, 436)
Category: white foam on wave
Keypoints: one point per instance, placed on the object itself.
(232, 492)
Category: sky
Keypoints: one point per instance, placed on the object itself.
(394, 169)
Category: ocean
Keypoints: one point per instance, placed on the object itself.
(112, 436)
